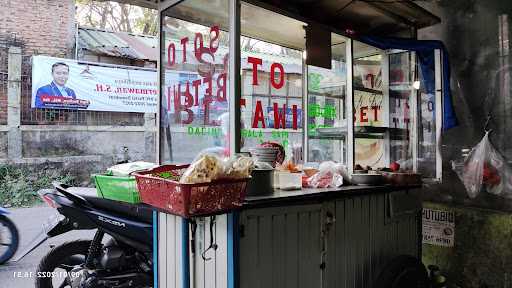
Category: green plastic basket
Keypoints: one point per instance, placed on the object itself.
(117, 188)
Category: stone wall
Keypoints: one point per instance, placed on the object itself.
(81, 150)
(113, 143)
(3, 144)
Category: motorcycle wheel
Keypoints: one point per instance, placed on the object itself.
(7, 228)
(403, 272)
(60, 260)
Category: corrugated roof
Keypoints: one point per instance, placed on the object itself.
(142, 47)
(118, 44)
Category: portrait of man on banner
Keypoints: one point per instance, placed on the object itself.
(57, 93)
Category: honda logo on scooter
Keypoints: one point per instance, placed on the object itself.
(110, 221)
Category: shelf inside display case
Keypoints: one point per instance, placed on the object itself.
(328, 95)
(328, 137)
(330, 133)
(399, 94)
(369, 132)
(369, 90)
(400, 87)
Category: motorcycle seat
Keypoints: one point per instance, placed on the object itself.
(136, 212)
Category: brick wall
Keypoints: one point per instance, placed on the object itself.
(44, 26)
(41, 27)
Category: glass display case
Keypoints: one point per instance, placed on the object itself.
(369, 108)
(236, 74)
(386, 89)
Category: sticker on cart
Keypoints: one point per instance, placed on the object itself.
(438, 227)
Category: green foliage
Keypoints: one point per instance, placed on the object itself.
(147, 24)
(19, 185)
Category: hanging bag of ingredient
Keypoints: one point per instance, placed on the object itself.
(485, 169)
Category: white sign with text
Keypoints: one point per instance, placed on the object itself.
(438, 227)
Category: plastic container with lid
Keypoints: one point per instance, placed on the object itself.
(289, 181)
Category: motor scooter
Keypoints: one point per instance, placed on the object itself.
(9, 237)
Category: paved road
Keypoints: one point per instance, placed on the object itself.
(29, 221)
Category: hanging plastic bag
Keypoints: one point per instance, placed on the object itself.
(484, 169)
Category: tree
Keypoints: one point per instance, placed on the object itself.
(148, 23)
(117, 17)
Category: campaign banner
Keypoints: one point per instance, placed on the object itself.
(67, 84)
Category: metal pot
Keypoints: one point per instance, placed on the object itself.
(261, 182)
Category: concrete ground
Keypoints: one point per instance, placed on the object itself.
(29, 221)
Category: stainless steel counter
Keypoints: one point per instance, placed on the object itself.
(282, 197)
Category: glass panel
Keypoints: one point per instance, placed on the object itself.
(371, 108)
(401, 91)
(426, 121)
(195, 90)
(327, 118)
(383, 94)
(271, 105)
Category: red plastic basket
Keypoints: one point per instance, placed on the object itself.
(189, 200)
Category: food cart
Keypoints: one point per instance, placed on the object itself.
(234, 74)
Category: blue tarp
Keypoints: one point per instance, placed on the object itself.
(425, 52)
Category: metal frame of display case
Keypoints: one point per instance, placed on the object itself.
(350, 106)
(305, 151)
(234, 75)
(439, 113)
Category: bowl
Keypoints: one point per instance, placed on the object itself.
(367, 179)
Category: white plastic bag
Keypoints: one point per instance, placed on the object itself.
(126, 168)
(327, 176)
(484, 169)
(238, 168)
